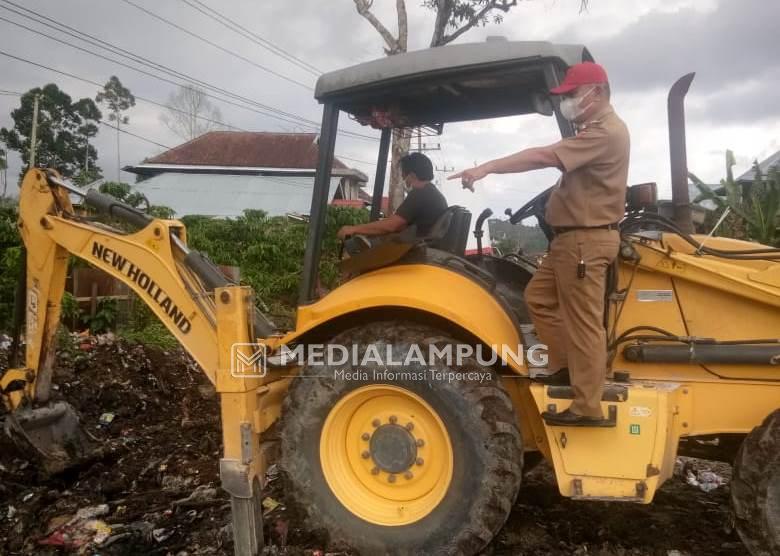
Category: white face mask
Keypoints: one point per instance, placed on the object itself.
(570, 107)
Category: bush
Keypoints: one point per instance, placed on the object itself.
(269, 250)
(144, 327)
(10, 260)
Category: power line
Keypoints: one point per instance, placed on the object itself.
(120, 130)
(85, 80)
(4, 92)
(247, 34)
(142, 99)
(262, 108)
(215, 45)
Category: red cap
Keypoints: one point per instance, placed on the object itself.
(586, 73)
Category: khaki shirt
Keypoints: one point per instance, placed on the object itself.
(592, 190)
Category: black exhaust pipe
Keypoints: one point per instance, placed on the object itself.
(678, 158)
(487, 213)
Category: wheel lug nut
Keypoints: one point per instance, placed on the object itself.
(419, 461)
(391, 478)
(410, 426)
(420, 442)
(408, 475)
(376, 423)
(365, 436)
(375, 471)
(365, 454)
(393, 419)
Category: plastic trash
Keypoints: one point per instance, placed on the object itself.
(707, 481)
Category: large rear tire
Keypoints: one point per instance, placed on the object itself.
(401, 466)
(755, 488)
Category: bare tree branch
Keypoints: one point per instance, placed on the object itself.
(403, 26)
(443, 11)
(364, 9)
(478, 17)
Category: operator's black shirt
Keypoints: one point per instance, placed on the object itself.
(422, 207)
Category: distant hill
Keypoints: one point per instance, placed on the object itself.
(507, 237)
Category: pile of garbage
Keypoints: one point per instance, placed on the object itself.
(154, 489)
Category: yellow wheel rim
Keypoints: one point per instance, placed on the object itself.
(386, 455)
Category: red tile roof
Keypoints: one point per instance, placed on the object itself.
(353, 203)
(262, 149)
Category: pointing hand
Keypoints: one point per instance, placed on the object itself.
(468, 177)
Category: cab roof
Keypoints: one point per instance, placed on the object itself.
(452, 83)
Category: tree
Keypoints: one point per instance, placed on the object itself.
(64, 130)
(191, 113)
(117, 99)
(755, 209)
(453, 19)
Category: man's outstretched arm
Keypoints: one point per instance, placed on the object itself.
(526, 160)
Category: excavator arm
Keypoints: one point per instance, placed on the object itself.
(213, 319)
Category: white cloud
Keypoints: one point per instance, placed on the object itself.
(646, 46)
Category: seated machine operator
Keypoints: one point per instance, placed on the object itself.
(423, 205)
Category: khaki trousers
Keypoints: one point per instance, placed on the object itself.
(568, 311)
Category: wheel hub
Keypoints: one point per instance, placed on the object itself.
(386, 454)
(393, 448)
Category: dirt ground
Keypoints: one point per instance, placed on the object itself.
(155, 489)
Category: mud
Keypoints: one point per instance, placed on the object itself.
(158, 477)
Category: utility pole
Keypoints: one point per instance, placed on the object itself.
(118, 176)
(34, 132)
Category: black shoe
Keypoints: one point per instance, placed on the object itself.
(570, 419)
(558, 378)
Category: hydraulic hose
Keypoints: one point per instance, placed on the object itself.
(635, 221)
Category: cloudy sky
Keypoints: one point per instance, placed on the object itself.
(645, 47)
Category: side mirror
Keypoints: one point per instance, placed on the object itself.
(542, 103)
(508, 212)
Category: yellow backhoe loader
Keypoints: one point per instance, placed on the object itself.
(427, 456)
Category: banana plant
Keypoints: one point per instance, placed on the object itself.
(758, 207)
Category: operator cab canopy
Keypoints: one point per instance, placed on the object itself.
(452, 83)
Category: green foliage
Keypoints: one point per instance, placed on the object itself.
(509, 238)
(105, 316)
(756, 207)
(10, 260)
(70, 312)
(117, 99)
(269, 250)
(64, 130)
(144, 327)
(155, 334)
(123, 192)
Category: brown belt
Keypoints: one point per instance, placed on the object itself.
(564, 229)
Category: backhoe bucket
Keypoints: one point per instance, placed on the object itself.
(52, 434)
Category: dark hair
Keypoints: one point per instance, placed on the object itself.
(417, 164)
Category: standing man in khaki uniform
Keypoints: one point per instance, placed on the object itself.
(566, 295)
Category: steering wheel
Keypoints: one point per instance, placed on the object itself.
(535, 207)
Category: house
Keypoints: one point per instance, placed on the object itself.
(222, 173)
(749, 177)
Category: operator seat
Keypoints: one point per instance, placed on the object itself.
(450, 232)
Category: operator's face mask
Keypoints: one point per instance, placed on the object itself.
(407, 187)
(570, 106)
